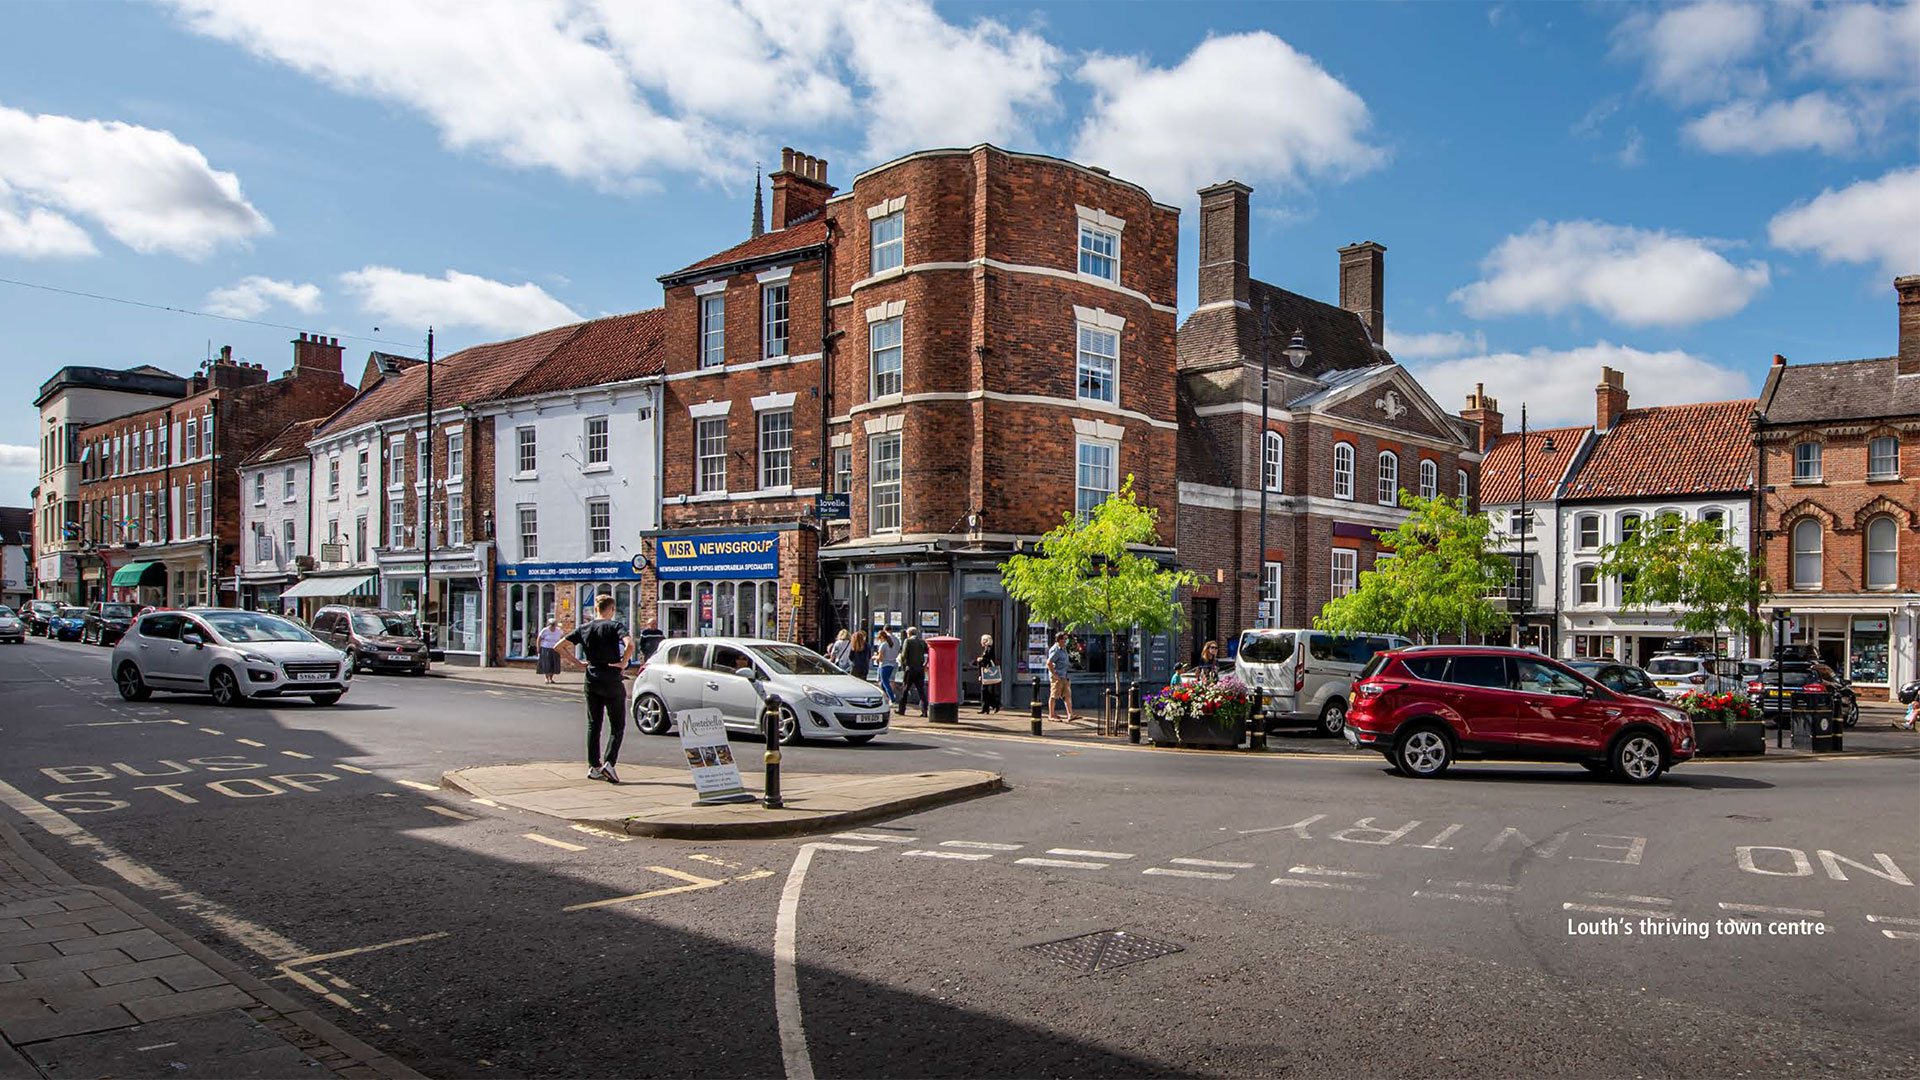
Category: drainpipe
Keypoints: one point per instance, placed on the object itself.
(213, 484)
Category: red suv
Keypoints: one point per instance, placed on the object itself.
(1427, 706)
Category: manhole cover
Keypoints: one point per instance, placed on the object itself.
(1103, 951)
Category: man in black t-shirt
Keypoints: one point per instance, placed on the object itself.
(603, 647)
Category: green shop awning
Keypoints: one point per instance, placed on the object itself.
(141, 573)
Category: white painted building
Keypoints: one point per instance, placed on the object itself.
(351, 481)
(276, 527)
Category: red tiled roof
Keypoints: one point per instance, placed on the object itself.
(610, 350)
(1671, 450)
(290, 443)
(767, 245)
(1500, 469)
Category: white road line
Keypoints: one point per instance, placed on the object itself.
(298, 754)
(454, 814)
(551, 842)
(1906, 934)
(418, 784)
(249, 742)
(786, 977)
(353, 768)
(881, 837)
(1630, 897)
(1468, 898)
(1213, 863)
(1089, 854)
(213, 731)
(1064, 864)
(1765, 910)
(1476, 885)
(968, 855)
(1894, 919)
(1328, 871)
(981, 845)
(484, 802)
(601, 833)
(1602, 909)
(1310, 883)
(1163, 872)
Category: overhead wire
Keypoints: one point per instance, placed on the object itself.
(414, 348)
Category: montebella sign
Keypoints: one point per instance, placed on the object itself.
(722, 555)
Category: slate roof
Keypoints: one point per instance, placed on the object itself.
(1841, 390)
(613, 349)
(1336, 337)
(1670, 450)
(290, 443)
(16, 525)
(792, 238)
(1500, 469)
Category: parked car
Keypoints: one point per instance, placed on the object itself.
(67, 624)
(1678, 674)
(237, 656)
(735, 675)
(37, 614)
(1774, 684)
(373, 638)
(106, 623)
(1307, 675)
(1622, 678)
(1426, 708)
(11, 628)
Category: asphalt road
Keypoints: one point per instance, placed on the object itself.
(1332, 919)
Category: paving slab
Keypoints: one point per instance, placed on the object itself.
(658, 801)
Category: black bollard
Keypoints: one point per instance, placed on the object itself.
(770, 724)
(1039, 702)
(1133, 714)
(1257, 733)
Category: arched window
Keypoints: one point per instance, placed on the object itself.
(1343, 470)
(1719, 519)
(1460, 478)
(1589, 530)
(1629, 526)
(1883, 549)
(1806, 554)
(1429, 479)
(1586, 583)
(1669, 520)
(1389, 478)
(1272, 454)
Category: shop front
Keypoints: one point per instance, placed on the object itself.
(724, 585)
(1872, 644)
(1635, 638)
(57, 577)
(530, 593)
(456, 607)
(304, 598)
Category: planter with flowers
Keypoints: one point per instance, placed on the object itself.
(1724, 724)
(1210, 713)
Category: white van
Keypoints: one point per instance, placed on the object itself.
(1307, 675)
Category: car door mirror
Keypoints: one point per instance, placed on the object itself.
(193, 638)
(746, 673)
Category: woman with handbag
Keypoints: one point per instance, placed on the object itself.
(837, 652)
(859, 656)
(989, 676)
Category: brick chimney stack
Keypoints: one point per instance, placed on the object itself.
(1483, 412)
(316, 355)
(1908, 287)
(799, 188)
(1363, 282)
(1610, 400)
(1223, 244)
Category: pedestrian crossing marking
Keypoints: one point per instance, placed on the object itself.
(1063, 864)
(1161, 871)
(1084, 854)
(971, 856)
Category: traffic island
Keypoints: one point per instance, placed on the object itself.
(657, 801)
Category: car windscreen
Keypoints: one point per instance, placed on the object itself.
(1257, 648)
(371, 625)
(5, 611)
(795, 660)
(116, 611)
(1673, 666)
(253, 626)
(71, 613)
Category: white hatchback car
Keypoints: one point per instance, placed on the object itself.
(1677, 674)
(237, 656)
(817, 700)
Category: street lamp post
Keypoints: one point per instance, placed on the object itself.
(1526, 526)
(1297, 353)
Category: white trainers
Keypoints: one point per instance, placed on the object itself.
(597, 772)
(607, 774)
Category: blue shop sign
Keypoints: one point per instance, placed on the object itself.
(558, 571)
(723, 555)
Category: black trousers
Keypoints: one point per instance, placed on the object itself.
(990, 697)
(913, 680)
(606, 705)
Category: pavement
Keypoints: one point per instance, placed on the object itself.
(658, 800)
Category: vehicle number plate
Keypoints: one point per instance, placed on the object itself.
(396, 656)
(1665, 682)
(312, 676)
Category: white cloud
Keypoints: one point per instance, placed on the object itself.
(1863, 42)
(1639, 277)
(752, 62)
(251, 295)
(1434, 346)
(1694, 53)
(1557, 384)
(146, 188)
(1869, 221)
(1633, 152)
(18, 457)
(39, 233)
(1240, 106)
(1812, 121)
(456, 299)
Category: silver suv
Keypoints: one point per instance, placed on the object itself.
(817, 700)
(1307, 675)
(237, 656)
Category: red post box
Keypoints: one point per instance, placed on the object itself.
(943, 679)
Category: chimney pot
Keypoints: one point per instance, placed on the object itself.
(1779, 361)
(1223, 243)
(1610, 399)
(1363, 280)
(1907, 289)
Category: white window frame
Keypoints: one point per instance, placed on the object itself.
(597, 442)
(1272, 583)
(599, 526)
(262, 546)
(1344, 565)
(713, 331)
(886, 358)
(528, 517)
(1086, 478)
(1388, 488)
(1807, 462)
(1273, 461)
(362, 470)
(1817, 553)
(1465, 486)
(1718, 517)
(1888, 463)
(1086, 252)
(1084, 372)
(419, 459)
(1429, 479)
(526, 445)
(776, 320)
(710, 455)
(397, 522)
(456, 454)
(289, 485)
(889, 253)
(190, 514)
(1890, 552)
(1580, 528)
(884, 511)
(1587, 586)
(456, 519)
(260, 489)
(287, 536)
(774, 440)
(842, 470)
(1343, 466)
(360, 538)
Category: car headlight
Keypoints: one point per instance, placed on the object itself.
(821, 697)
(254, 658)
(1675, 715)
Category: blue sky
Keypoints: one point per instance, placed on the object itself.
(1678, 191)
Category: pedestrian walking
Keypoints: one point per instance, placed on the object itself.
(1210, 661)
(837, 652)
(913, 667)
(886, 653)
(1058, 662)
(989, 664)
(859, 656)
(603, 647)
(548, 662)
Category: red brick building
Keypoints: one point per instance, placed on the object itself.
(1839, 476)
(160, 488)
(967, 343)
(1347, 431)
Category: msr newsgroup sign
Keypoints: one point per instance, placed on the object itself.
(724, 555)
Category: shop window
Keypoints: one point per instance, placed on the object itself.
(528, 608)
(1867, 651)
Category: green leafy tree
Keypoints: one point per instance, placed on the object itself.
(1440, 579)
(1089, 574)
(1692, 567)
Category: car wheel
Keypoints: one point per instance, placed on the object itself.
(226, 689)
(859, 740)
(1638, 758)
(789, 727)
(326, 699)
(650, 715)
(1333, 718)
(1853, 713)
(1424, 752)
(132, 686)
